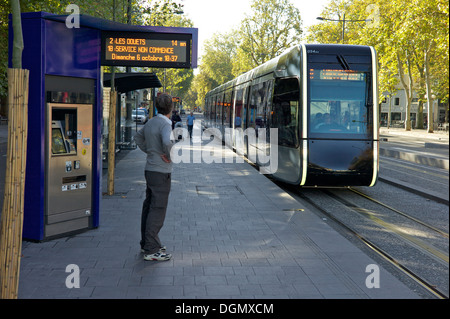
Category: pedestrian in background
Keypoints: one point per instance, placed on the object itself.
(190, 123)
(154, 140)
(175, 119)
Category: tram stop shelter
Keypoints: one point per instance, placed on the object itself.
(125, 83)
(65, 111)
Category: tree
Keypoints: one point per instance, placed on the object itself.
(216, 65)
(420, 40)
(168, 13)
(430, 38)
(272, 27)
(411, 38)
(217, 62)
(100, 8)
(160, 12)
(329, 32)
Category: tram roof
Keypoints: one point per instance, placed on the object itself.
(288, 63)
(264, 69)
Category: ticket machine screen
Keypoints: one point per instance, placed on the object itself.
(64, 131)
(58, 144)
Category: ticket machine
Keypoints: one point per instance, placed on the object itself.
(69, 168)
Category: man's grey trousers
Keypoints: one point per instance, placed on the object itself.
(154, 210)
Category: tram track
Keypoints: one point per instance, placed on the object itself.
(388, 256)
(408, 216)
(406, 248)
(436, 253)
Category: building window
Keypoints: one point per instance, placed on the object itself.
(396, 116)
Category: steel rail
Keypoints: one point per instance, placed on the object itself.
(421, 281)
(442, 233)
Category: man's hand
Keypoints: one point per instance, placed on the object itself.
(165, 159)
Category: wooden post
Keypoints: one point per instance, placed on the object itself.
(112, 140)
(13, 202)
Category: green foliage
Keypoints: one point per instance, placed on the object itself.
(143, 12)
(407, 34)
(101, 8)
(160, 12)
(168, 13)
(272, 27)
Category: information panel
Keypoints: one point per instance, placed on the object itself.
(329, 74)
(161, 50)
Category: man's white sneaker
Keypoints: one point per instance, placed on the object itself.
(159, 256)
(162, 249)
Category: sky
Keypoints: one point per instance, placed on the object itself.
(211, 16)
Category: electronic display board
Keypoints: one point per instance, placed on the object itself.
(328, 74)
(161, 50)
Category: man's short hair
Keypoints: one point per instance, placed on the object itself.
(164, 103)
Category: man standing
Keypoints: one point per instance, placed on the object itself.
(154, 140)
(190, 123)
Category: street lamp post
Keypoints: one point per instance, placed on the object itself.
(343, 23)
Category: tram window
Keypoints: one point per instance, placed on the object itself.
(267, 103)
(238, 111)
(227, 108)
(252, 108)
(241, 107)
(285, 111)
(260, 105)
(219, 110)
(212, 114)
(338, 104)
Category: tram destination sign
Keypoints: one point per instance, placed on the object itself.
(342, 75)
(160, 50)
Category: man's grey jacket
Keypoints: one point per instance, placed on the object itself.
(154, 139)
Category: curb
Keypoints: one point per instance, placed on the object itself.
(415, 158)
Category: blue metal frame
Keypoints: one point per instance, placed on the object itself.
(106, 25)
(50, 48)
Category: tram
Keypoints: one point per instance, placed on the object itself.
(320, 101)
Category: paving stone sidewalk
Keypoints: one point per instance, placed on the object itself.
(232, 233)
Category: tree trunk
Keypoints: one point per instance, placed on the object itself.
(409, 97)
(112, 140)
(430, 121)
(18, 36)
(419, 119)
(408, 89)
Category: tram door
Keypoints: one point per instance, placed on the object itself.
(285, 118)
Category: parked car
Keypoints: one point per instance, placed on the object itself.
(140, 116)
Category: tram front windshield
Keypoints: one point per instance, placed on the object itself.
(338, 102)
